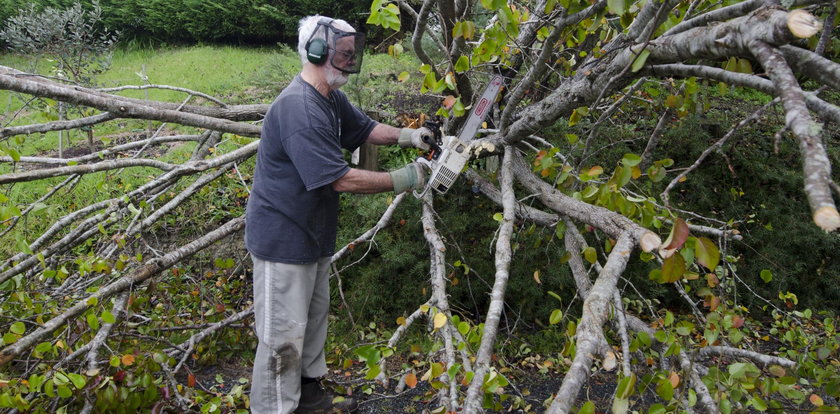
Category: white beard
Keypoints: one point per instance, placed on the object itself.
(336, 78)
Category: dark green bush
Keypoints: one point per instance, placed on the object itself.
(191, 21)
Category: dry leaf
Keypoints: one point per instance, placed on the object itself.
(411, 380)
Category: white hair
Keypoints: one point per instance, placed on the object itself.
(309, 24)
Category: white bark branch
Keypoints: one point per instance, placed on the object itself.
(588, 332)
(472, 403)
(816, 164)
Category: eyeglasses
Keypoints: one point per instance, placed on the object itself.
(345, 54)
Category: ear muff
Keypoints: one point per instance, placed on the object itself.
(316, 51)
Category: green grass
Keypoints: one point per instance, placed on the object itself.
(234, 75)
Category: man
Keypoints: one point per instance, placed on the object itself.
(292, 214)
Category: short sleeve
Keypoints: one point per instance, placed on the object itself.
(356, 125)
(316, 156)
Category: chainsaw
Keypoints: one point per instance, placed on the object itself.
(448, 155)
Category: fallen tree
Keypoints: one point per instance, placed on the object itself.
(563, 62)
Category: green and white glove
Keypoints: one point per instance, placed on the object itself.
(410, 137)
(410, 177)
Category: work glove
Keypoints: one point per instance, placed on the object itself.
(410, 137)
(410, 177)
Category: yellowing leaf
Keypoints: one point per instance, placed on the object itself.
(401, 321)
(595, 171)
(448, 101)
(411, 380)
(537, 276)
(127, 360)
(674, 379)
(706, 253)
(590, 255)
(816, 400)
(673, 268)
(403, 76)
(440, 320)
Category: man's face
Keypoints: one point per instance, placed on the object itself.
(344, 57)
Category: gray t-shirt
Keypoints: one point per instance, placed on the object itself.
(292, 213)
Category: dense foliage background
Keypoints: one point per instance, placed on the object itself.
(191, 21)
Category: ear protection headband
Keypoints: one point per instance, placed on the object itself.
(317, 49)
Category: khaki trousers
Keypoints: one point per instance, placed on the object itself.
(291, 303)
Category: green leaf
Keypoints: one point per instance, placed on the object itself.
(462, 65)
(616, 7)
(44, 347)
(17, 328)
(463, 327)
(656, 409)
(92, 321)
(587, 408)
(738, 370)
(556, 317)
(108, 317)
(498, 217)
(453, 370)
(664, 389)
(9, 338)
(77, 380)
(639, 63)
(631, 160)
(706, 253)
(766, 276)
(560, 230)
(626, 386)
(64, 391)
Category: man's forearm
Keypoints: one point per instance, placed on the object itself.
(384, 135)
(363, 182)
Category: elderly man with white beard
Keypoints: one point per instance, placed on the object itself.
(292, 214)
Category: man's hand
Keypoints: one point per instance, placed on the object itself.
(410, 137)
(410, 177)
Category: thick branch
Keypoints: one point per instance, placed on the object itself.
(608, 221)
(816, 165)
(760, 359)
(473, 401)
(732, 38)
(121, 107)
(594, 316)
(813, 65)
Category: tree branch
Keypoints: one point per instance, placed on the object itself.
(472, 403)
(816, 165)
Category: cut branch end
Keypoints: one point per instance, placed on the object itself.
(650, 241)
(827, 218)
(803, 24)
